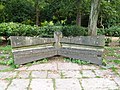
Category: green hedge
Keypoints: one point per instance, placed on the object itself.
(17, 29)
(74, 31)
(112, 31)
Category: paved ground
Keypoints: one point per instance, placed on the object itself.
(59, 75)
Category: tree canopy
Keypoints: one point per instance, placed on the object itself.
(59, 12)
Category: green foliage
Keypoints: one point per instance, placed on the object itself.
(110, 12)
(18, 10)
(5, 49)
(0, 41)
(10, 62)
(17, 29)
(81, 62)
(111, 31)
(107, 41)
(74, 31)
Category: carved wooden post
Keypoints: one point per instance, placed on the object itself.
(57, 37)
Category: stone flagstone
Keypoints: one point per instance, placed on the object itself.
(67, 84)
(3, 67)
(4, 75)
(19, 84)
(68, 66)
(90, 67)
(54, 74)
(87, 73)
(117, 80)
(98, 84)
(105, 73)
(3, 84)
(41, 84)
(23, 74)
(39, 74)
(47, 66)
(71, 74)
(21, 68)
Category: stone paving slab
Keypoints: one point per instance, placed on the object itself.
(67, 84)
(41, 84)
(71, 74)
(68, 66)
(88, 73)
(4, 75)
(54, 74)
(23, 74)
(39, 74)
(59, 76)
(19, 84)
(99, 84)
(90, 67)
(117, 80)
(105, 73)
(3, 67)
(47, 66)
(3, 84)
(22, 68)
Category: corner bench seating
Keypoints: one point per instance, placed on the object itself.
(27, 49)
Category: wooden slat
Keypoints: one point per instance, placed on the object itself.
(20, 41)
(90, 58)
(27, 49)
(82, 51)
(26, 56)
(85, 40)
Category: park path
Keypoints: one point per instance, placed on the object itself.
(59, 75)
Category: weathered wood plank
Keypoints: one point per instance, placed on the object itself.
(90, 58)
(21, 57)
(20, 41)
(27, 49)
(85, 40)
(81, 51)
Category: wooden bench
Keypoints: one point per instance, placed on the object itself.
(27, 49)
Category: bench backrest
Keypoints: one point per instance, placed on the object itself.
(27, 49)
(21, 41)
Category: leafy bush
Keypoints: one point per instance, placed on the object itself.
(17, 29)
(112, 31)
(74, 31)
(0, 40)
(107, 41)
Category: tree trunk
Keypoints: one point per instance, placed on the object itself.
(37, 12)
(78, 19)
(37, 17)
(92, 26)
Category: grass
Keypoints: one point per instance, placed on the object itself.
(98, 77)
(7, 69)
(81, 62)
(115, 61)
(6, 49)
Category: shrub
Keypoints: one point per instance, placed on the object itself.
(112, 31)
(107, 41)
(0, 41)
(17, 29)
(74, 31)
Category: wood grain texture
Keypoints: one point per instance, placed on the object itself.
(28, 49)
